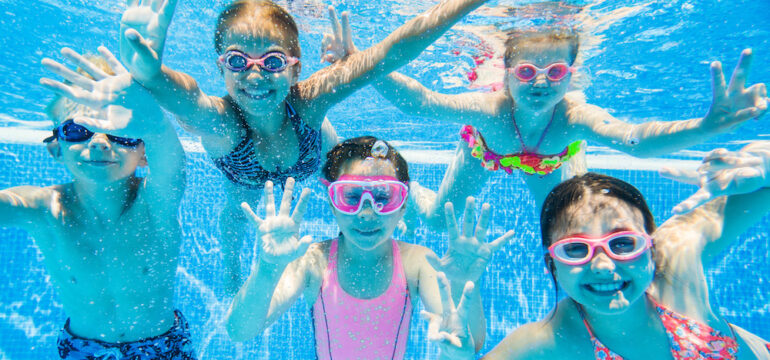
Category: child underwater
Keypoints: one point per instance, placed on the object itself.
(270, 125)
(626, 280)
(362, 285)
(110, 240)
(533, 125)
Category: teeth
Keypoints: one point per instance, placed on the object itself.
(606, 287)
(256, 92)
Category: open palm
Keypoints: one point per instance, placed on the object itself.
(143, 30)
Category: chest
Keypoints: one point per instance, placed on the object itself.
(276, 151)
(503, 136)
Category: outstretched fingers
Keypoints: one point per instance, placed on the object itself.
(347, 36)
(251, 215)
(741, 73)
(451, 221)
(71, 76)
(469, 216)
(288, 191)
(112, 61)
(501, 241)
(299, 210)
(269, 200)
(718, 85)
(336, 27)
(700, 197)
(166, 11)
(483, 223)
(83, 63)
(684, 176)
(445, 290)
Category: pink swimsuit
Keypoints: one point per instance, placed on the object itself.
(690, 340)
(351, 328)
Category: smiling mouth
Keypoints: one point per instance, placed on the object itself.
(610, 288)
(258, 94)
(100, 162)
(368, 232)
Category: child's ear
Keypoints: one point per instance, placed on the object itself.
(143, 161)
(54, 149)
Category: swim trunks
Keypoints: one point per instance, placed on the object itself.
(347, 327)
(689, 339)
(241, 167)
(174, 344)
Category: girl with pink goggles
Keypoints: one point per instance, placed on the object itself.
(525, 72)
(621, 246)
(385, 193)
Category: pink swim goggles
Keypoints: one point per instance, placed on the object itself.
(621, 245)
(525, 72)
(274, 61)
(385, 193)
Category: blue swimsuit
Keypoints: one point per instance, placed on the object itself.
(242, 168)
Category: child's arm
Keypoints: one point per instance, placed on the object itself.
(333, 83)
(406, 93)
(143, 31)
(130, 112)
(732, 105)
(466, 260)
(22, 206)
(687, 242)
(278, 273)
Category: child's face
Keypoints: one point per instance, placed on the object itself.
(98, 159)
(539, 93)
(255, 89)
(604, 285)
(367, 230)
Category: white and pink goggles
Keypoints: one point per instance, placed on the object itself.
(621, 245)
(385, 193)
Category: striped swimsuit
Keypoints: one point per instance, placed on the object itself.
(242, 168)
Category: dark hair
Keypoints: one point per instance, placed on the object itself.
(264, 13)
(361, 148)
(518, 37)
(572, 191)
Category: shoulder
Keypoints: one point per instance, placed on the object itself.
(529, 341)
(413, 254)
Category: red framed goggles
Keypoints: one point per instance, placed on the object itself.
(621, 245)
(525, 72)
(274, 61)
(385, 193)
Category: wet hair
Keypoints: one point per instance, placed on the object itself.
(572, 191)
(360, 148)
(519, 38)
(61, 108)
(260, 13)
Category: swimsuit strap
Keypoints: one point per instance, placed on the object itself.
(542, 135)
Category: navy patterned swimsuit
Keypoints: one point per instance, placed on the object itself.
(242, 168)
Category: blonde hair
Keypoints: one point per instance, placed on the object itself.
(263, 13)
(61, 108)
(520, 38)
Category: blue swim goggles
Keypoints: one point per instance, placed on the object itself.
(69, 131)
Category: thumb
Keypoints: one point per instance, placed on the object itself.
(681, 175)
(140, 45)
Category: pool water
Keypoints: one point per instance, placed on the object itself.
(644, 61)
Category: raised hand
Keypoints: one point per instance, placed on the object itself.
(723, 173)
(733, 104)
(450, 329)
(339, 44)
(278, 241)
(127, 109)
(468, 253)
(143, 29)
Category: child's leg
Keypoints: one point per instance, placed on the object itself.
(464, 177)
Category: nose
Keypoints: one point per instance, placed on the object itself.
(540, 81)
(254, 73)
(99, 142)
(367, 211)
(601, 263)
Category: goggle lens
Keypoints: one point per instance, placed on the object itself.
(621, 246)
(554, 72)
(385, 196)
(272, 61)
(71, 132)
